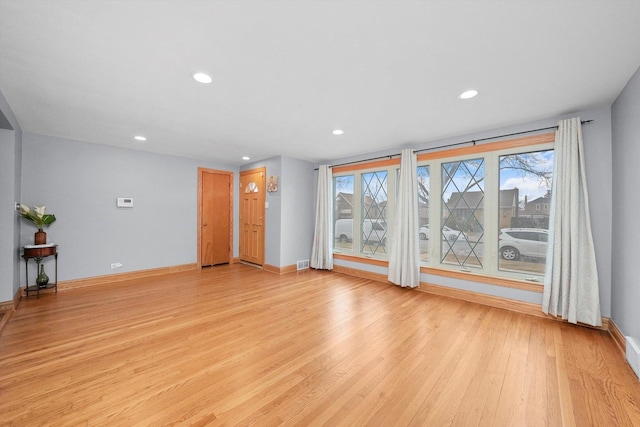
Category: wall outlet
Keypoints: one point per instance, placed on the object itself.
(116, 265)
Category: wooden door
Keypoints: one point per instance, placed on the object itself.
(252, 198)
(215, 222)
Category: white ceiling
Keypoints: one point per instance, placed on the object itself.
(286, 73)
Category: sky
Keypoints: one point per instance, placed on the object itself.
(529, 184)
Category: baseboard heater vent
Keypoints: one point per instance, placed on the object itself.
(633, 355)
(304, 264)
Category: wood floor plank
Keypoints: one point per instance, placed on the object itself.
(234, 345)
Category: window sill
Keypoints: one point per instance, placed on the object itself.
(361, 259)
(481, 278)
(462, 275)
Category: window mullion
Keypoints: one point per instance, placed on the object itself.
(357, 212)
(392, 188)
(435, 205)
(492, 199)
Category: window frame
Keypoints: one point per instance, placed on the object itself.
(390, 166)
(492, 275)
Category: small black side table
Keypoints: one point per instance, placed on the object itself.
(38, 253)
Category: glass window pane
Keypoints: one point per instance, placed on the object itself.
(251, 187)
(423, 211)
(462, 229)
(525, 194)
(343, 213)
(373, 202)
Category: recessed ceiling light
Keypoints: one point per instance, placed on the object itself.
(202, 78)
(468, 94)
(139, 138)
(246, 157)
(338, 132)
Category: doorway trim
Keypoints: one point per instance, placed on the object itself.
(201, 172)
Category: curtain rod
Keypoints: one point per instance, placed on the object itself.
(471, 141)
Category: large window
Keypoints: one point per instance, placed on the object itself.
(343, 189)
(462, 208)
(361, 211)
(523, 217)
(423, 211)
(481, 209)
(373, 204)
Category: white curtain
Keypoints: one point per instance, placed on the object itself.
(571, 281)
(322, 251)
(404, 252)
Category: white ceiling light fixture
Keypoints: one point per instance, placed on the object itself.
(337, 132)
(468, 94)
(246, 158)
(139, 138)
(202, 78)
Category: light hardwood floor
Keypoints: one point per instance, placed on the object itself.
(233, 345)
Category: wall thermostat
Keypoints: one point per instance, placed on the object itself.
(124, 202)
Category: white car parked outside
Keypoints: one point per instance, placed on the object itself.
(447, 233)
(528, 242)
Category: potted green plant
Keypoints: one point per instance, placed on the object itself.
(40, 219)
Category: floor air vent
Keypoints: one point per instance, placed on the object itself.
(303, 264)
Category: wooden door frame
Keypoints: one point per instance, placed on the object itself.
(262, 169)
(201, 172)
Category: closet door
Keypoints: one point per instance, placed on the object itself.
(216, 203)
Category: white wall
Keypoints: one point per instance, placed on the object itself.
(10, 187)
(597, 139)
(298, 216)
(79, 183)
(625, 310)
